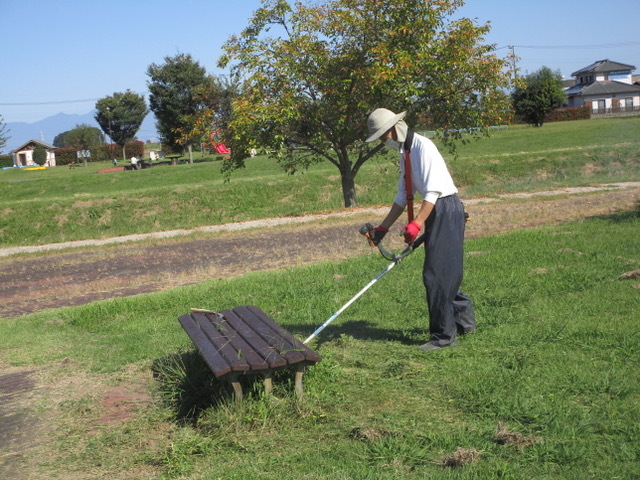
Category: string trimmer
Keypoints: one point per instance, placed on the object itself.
(394, 258)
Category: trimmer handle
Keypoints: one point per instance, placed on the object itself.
(366, 231)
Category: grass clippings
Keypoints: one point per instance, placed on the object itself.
(367, 434)
(633, 274)
(505, 437)
(461, 457)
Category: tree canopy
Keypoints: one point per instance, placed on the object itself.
(82, 137)
(311, 83)
(174, 97)
(537, 94)
(120, 116)
(4, 133)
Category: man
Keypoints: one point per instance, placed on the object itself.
(442, 216)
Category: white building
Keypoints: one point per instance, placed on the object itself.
(607, 87)
(23, 155)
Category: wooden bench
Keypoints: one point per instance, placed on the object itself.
(245, 341)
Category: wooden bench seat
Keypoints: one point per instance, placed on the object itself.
(246, 341)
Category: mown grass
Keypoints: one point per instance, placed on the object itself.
(60, 204)
(553, 364)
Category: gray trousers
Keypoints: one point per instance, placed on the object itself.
(450, 311)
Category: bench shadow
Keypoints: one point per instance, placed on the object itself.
(189, 388)
(187, 385)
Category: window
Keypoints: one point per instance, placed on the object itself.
(599, 106)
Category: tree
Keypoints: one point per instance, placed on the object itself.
(309, 87)
(4, 133)
(538, 94)
(120, 116)
(82, 137)
(211, 123)
(174, 100)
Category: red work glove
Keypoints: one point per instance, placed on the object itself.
(411, 231)
(378, 233)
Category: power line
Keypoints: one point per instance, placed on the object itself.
(573, 47)
(60, 102)
(581, 47)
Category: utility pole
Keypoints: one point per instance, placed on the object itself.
(514, 61)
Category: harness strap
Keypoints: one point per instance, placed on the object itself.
(408, 183)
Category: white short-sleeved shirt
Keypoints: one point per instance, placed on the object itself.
(429, 174)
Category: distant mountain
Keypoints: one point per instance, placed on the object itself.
(46, 130)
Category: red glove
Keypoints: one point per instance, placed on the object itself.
(378, 233)
(411, 231)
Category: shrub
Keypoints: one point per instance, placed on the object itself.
(65, 155)
(135, 148)
(6, 161)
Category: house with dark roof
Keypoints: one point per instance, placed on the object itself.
(23, 155)
(605, 86)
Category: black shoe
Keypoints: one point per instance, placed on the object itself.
(428, 347)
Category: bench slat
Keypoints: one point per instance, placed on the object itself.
(254, 361)
(264, 349)
(209, 353)
(309, 354)
(264, 326)
(220, 336)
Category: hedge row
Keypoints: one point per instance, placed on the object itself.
(569, 113)
(67, 155)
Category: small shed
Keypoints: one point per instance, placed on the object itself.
(23, 155)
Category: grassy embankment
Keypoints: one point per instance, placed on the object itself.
(548, 387)
(59, 204)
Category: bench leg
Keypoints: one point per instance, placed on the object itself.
(237, 390)
(268, 383)
(299, 372)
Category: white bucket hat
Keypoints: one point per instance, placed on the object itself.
(381, 120)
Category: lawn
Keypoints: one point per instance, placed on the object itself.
(548, 387)
(60, 204)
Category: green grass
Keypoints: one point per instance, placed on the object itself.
(60, 204)
(554, 359)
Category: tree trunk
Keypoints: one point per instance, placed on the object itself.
(348, 187)
(190, 153)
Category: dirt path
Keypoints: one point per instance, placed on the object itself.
(93, 270)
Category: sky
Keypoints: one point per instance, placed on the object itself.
(61, 56)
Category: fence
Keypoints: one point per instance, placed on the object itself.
(615, 111)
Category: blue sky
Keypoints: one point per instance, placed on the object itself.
(63, 55)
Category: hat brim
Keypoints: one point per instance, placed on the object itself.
(392, 121)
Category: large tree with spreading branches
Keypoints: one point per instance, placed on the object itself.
(315, 70)
(120, 116)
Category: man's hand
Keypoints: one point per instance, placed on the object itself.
(377, 234)
(411, 231)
